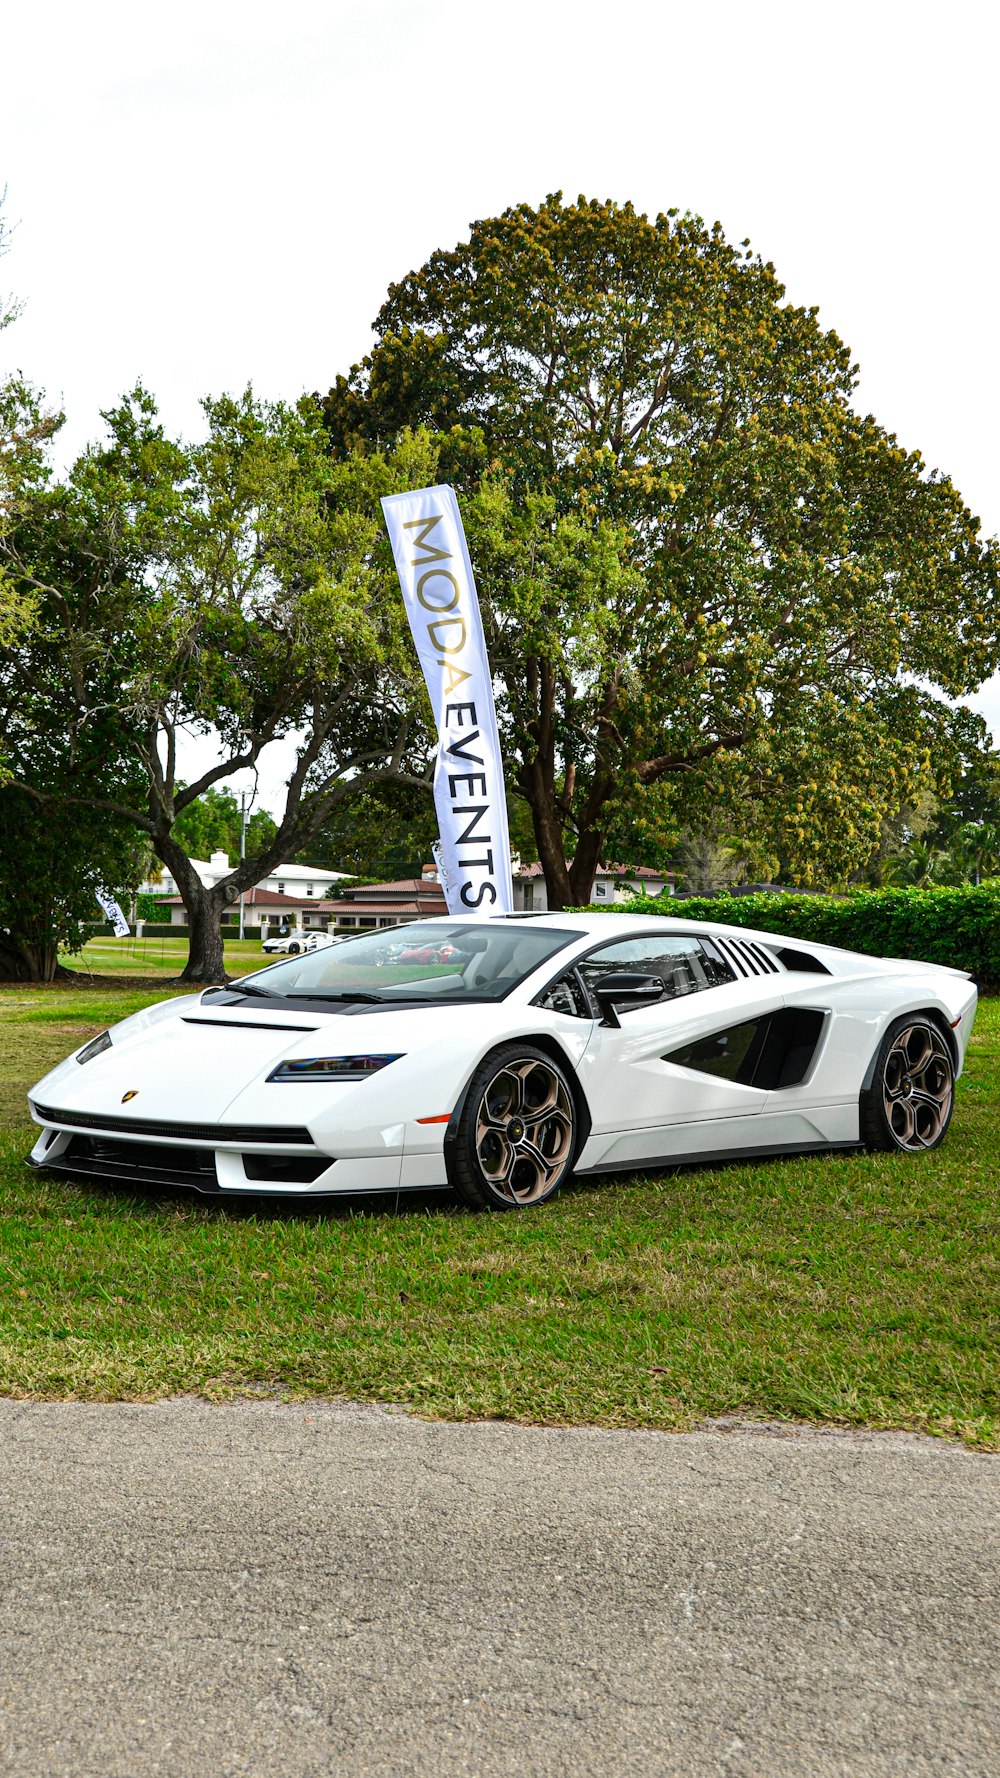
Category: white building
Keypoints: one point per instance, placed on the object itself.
(612, 883)
(296, 880)
(287, 893)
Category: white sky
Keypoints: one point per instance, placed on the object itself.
(215, 193)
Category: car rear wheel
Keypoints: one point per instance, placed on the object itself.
(517, 1131)
(909, 1103)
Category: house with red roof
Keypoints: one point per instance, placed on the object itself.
(613, 883)
(266, 906)
(366, 906)
(362, 906)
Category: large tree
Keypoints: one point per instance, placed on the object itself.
(26, 426)
(53, 857)
(239, 589)
(711, 586)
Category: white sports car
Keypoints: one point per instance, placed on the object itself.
(532, 1047)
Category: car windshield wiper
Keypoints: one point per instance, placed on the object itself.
(358, 994)
(248, 988)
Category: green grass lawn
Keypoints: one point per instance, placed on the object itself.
(849, 1289)
(157, 957)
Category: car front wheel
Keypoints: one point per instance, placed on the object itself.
(909, 1102)
(516, 1134)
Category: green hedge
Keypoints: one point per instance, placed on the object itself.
(152, 929)
(164, 929)
(958, 927)
(148, 906)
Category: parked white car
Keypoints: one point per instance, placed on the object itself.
(297, 941)
(290, 944)
(530, 1048)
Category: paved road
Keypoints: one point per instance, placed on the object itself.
(292, 1591)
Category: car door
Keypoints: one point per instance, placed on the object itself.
(678, 1061)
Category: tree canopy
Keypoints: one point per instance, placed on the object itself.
(389, 832)
(25, 429)
(212, 823)
(52, 860)
(709, 584)
(236, 589)
(719, 600)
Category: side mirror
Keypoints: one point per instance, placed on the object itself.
(625, 990)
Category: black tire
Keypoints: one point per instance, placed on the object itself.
(908, 1105)
(293, 950)
(516, 1137)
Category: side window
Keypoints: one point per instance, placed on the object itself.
(687, 964)
(566, 995)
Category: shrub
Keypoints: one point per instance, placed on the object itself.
(958, 927)
(147, 906)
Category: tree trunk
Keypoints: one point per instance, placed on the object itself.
(584, 866)
(567, 884)
(205, 952)
(547, 823)
(204, 909)
(22, 961)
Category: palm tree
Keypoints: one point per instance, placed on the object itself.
(975, 849)
(920, 865)
(705, 863)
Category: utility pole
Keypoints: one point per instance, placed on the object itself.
(243, 845)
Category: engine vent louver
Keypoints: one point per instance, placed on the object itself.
(291, 1135)
(748, 958)
(763, 957)
(731, 956)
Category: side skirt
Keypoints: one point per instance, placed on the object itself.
(711, 1157)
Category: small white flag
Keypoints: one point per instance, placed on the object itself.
(112, 911)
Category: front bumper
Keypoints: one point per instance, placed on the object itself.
(150, 1157)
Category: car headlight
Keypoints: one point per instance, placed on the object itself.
(94, 1047)
(330, 1067)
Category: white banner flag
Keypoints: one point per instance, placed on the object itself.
(435, 573)
(112, 912)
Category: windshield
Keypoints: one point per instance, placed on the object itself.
(430, 960)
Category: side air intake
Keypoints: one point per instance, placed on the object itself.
(800, 961)
(769, 1053)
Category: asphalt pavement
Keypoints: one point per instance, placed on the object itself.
(299, 1590)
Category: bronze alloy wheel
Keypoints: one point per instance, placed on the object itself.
(517, 1132)
(917, 1087)
(910, 1101)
